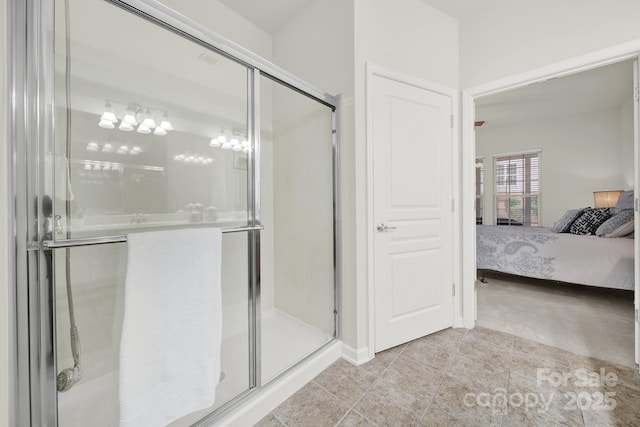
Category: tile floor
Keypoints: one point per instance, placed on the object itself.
(456, 377)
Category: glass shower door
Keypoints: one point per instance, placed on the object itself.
(298, 242)
(151, 132)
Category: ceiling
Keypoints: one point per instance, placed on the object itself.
(595, 90)
(269, 15)
(463, 9)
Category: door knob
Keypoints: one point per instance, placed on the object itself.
(382, 227)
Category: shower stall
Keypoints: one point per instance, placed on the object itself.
(135, 118)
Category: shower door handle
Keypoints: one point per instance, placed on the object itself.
(382, 227)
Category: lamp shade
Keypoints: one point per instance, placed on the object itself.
(606, 199)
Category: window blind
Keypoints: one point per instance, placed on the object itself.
(479, 190)
(517, 189)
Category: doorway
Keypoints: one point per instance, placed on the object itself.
(469, 153)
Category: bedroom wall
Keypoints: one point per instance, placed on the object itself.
(580, 154)
(627, 155)
(520, 36)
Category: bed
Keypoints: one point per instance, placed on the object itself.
(541, 253)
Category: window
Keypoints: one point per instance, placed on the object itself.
(479, 190)
(517, 194)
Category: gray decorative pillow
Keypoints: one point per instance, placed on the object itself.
(589, 221)
(564, 223)
(625, 201)
(620, 223)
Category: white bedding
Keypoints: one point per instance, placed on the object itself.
(539, 252)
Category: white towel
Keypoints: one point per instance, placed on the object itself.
(171, 332)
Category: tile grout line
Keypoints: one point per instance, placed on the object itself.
(278, 418)
(353, 407)
(513, 345)
(334, 397)
(456, 351)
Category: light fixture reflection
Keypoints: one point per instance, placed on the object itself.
(106, 124)
(125, 126)
(165, 123)
(148, 120)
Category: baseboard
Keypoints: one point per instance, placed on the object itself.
(271, 396)
(356, 357)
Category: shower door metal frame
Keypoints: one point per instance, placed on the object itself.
(32, 364)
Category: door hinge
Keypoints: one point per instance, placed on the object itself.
(451, 121)
(453, 289)
(334, 131)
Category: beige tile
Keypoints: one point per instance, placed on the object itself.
(627, 377)
(579, 361)
(463, 401)
(395, 399)
(522, 418)
(345, 381)
(354, 419)
(545, 371)
(542, 351)
(423, 350)
(498, 339)
(486, 352)
(427, 379)
(625, 407)
(449, 338)
(382, 360)
(270, 421)
(532, 401)
(479, 372)
(311, 406)
(438, 417)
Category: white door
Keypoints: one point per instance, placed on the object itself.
(412, 200)
(636, 106)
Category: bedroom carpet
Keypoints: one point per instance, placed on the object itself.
(585, 320)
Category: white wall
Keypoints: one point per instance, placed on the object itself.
(520, 36)
(580, 154)
(227, 23)
(627, 155)
(412, 38)
(405, 35)
(4, 227)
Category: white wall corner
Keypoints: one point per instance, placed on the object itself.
(468, 235)
(356, 356)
